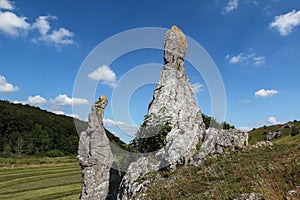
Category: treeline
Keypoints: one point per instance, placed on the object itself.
(31, 131)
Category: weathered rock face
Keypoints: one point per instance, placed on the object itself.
(94, 155)
(173, 101)
(274, 135)
(216, 141)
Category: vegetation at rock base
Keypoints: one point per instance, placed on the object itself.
(213, 123)
(27, 130)
(271, 171)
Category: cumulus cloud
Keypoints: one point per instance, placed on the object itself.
(36, 100)
(62, 36)
(129, 128)
(231, 5)
(273, 120)
(286, 22)
(12, 24)
(5, 4)
(198, 87)
(64, 100)
(105, 75)
(6, 87)
(33, 100)
(252, 59)
(42, 24)
(265, 93)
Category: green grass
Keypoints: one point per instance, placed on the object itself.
(39, 178)
(259, 134)
(270, 171)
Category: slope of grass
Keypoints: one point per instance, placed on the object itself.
(40, 178)
(259, 134)
(270, 171)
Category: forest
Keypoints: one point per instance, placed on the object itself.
(27, 130)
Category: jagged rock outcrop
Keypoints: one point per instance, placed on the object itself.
(94, 155)
(173, 101)
(217, 141)
(271, 136)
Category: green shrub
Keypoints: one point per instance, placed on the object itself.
(55, 153)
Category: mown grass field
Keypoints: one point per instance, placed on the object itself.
(39, 178)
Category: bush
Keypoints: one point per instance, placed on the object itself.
(55, 153)
(294, 131)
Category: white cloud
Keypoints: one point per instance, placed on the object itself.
(64, 100)
(129, 128)
(236, 59)
(198, 87)
(273, 120)
(36, 100)
(231, 5)
(12, 24)
(105, 75)
(6, 87)
(33, 100)
(60, 112)
(62, 36)
(42, 24)
(245, 128)
(252, 59)
(5, 4)
(265, 93)
(286, 22)
(259, 60)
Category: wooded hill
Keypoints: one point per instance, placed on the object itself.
(32, 131)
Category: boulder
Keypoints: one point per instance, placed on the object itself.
(271, 136)
(216, 141)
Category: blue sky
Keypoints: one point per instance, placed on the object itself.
(254, 43)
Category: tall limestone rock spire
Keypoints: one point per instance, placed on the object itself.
(174, 98)
(174, 102)
(95, 155)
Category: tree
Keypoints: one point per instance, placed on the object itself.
(16, 142)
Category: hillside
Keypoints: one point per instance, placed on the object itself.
(287, 129)
(271, 171)
(31, 131)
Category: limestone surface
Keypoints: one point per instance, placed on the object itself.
(94, 155)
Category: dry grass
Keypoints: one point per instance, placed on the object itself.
(268, 171)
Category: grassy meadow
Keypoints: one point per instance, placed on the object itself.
(270, 171)
(39, 178)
